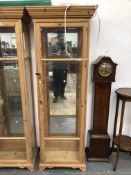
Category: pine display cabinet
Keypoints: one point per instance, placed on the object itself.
(62, 48)
(17, 141)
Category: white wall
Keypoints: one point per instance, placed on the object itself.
(114, 41)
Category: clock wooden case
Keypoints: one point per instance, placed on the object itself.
(104, 70)
(17, 134)
(62, 120)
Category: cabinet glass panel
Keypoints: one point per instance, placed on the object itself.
(62, 96)
(12, 150)
(11, 120)
(62, 124)
(8, 46)
(54, 44)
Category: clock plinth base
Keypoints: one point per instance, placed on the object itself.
(99, 147)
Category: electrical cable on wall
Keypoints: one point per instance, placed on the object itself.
(68, 5)
(99, 27)
(66, 49)
(65, 31)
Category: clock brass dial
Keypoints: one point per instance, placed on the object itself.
(105, 69)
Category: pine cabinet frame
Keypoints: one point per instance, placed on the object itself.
(19, 19)
(53, 17)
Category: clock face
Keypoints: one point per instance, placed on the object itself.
(105, 69)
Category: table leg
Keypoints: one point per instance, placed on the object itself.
(115, 124)
(119, 137)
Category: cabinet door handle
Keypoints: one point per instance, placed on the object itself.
(37, 74)
(41, 104)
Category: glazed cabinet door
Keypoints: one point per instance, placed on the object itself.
(61, 74)
(12, 137)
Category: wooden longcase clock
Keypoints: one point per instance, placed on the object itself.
(104, 70)
(62, 72)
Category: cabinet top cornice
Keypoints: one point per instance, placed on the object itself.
(14, 13)
(45, 12)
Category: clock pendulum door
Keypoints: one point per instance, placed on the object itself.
(99, 141)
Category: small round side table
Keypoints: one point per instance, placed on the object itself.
(121, 141)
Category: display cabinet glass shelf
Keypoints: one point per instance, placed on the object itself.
(17, 138)
(62, 64)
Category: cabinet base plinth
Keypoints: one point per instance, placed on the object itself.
(30, 167)
(99, 147)
(43, 166)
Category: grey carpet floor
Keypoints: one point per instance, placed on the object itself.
(93, 168)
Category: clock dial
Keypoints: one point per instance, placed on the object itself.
(105, 69)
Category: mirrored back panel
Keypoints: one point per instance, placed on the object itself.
(8, 46)
(55, 43)
(62, 97)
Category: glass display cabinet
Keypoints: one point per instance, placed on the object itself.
(62, 64)
(17, 142)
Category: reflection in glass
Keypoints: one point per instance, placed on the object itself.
(63, 124)
(61, 99)
(11, 123)
(7, 42)
(56, 46)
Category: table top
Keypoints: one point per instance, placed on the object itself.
(125, 142)
(124, 92)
